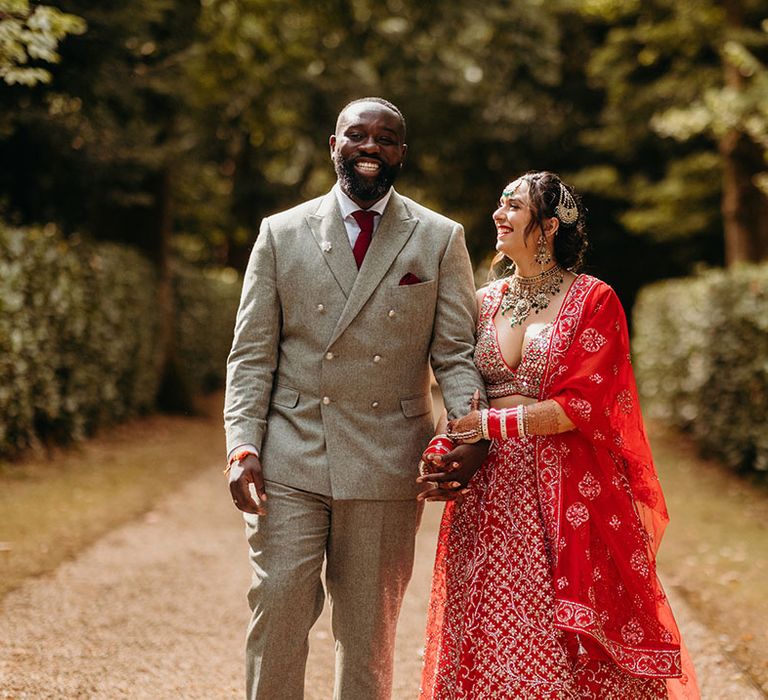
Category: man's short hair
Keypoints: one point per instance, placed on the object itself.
(377, 100)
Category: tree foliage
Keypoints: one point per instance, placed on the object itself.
(29, 35)
(279, 78)
(719, 108)
(666, 70)
(173, 124)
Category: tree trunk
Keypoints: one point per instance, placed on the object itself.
(174, 394)
(744, 207)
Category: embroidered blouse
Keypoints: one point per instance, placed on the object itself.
(501, 379)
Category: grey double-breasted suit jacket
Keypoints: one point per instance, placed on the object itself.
(329, 370)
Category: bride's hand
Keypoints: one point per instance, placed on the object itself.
(467, 429)
(431, 459)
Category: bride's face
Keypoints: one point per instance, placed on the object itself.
(512, 219)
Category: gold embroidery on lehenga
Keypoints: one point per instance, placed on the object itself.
(496, 628)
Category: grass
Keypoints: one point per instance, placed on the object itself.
(52, 507)
(715, 551)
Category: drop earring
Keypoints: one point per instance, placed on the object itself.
(542, 256)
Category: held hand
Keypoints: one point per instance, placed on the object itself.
(242, 474)
(431, 458)
(438, 493)
(461, 465)
(467, 429)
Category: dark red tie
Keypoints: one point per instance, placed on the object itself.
(365, 222)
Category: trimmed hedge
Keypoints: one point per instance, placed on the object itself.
(205, 320)
(701, 357)
(78, 331)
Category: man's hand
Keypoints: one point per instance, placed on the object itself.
(242, 474)
(459, 466)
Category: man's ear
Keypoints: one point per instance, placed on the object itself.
(332, 143)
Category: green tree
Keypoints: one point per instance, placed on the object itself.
(178, 125)
(490, 89)
(734, 113)
(109, 138)
(479, 83)
(655, 63)
(30, 36)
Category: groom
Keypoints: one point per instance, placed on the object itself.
(346, 301)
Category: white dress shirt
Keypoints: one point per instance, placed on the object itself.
(348, 206)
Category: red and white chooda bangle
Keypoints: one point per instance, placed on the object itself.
(438, 445)
(503, 423)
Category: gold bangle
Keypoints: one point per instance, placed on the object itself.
(464, 435)
(521, 421)
(503, 424)
(526, 424)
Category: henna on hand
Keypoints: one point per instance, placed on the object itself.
(546, 418)
(467, 429)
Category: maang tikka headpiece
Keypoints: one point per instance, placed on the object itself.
(566, 209)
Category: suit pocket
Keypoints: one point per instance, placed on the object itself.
(416, 406)
(409, 290)
(414, 303)
(285, 396)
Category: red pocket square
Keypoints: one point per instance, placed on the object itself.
(409, 278)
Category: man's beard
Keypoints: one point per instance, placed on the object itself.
(364, 189)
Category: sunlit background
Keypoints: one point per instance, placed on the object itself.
(142, 142)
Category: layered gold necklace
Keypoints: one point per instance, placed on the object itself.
(526, 295)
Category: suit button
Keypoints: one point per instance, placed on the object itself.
(329, 356)
(377, 358)
(326, 400)
(375, 404)
(321, 308)
(391, 313)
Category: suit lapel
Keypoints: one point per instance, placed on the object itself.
(393, 232)
(328, 229)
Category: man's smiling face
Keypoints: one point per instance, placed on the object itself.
(368, 150)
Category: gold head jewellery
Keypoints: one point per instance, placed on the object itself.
(566, 209)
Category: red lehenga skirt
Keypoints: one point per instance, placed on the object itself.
(491, 632)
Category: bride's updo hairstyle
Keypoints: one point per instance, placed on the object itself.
(550, 197)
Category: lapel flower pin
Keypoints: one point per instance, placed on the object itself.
(326, 246)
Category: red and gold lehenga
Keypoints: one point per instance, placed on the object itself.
(545, 580)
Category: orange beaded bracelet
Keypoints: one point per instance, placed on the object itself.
(237, 457)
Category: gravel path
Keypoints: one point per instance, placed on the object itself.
(156, 609)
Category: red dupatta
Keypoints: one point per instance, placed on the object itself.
(603, 508)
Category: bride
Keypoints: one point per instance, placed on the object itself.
(545, 579)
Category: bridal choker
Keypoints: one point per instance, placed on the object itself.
(530, 294)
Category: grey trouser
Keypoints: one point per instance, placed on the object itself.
(369, 546)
